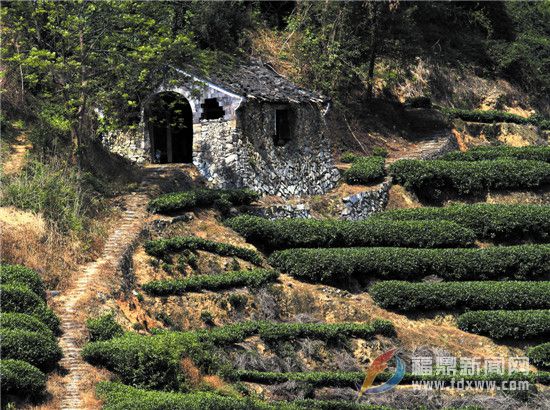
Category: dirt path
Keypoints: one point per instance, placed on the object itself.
(16, 158)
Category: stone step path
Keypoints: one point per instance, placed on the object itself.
(429, 148)
(117, 244)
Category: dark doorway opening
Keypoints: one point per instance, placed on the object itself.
(170, 123)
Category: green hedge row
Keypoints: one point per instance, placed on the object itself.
(201, 197)
(163, 247)
(153, 362)
(365, 170)
(22, 321)
(352, 379)
(535, 153)
(37, 349)
(103, 327)
(504, 324)
(339, 265)
(511, 295)
(491, 116)
(196, 283)
(540, 355)
(465, 177)
(21, 275)
(488, 221)
(312, 233)
(21, 378)
(117, 396)
(20, 299)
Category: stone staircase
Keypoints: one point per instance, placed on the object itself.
(427, 148)
(117, 245)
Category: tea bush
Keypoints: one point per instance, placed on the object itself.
(21, 378)
(489, 295)
(488, 221)
(348, 157)
(339, 265)
(163, 247)
(283, 233)
(37, 349)
(506, 324)
(535, 153)
(365, 170)
(200, 197)
(22, 321)
(21, 275)
(251, 278)
(20, 299)
(492, 116)
(468, 177)
(103, 327)
(540, 355)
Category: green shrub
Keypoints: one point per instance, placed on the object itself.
(380, 152)
(352, 379)
(348, 157)
(540, 355)
(21, 378)
(488, 221)
(365, 170)
(21, 275)
(339, 265)
(467, 177)
(118, 397)
(23, 321)
(39, 350)
(200, 197)
(163, 247)
(535, 153)
(251, 278)
(103, 327)
(20, 299)
(237, 301)
(501, 324)
(283, 233)
(492, 116)
(406, 296)
(53, 189)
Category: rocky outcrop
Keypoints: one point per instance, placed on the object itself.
(362, 205)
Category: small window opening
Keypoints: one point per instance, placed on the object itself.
(211, 109)
(282, 127)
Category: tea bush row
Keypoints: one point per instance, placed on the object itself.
(540, 355)
(535, 153)
(163, 247)
(488, 295)
(469, 177)
(23, 321)
(506, 324)
(37, 349)
(21, 275)
(488, 221)
(103, 327)
(196, 283)
(340, 265)
(201, 197)
(312, 233)
(492, 116)
(365, 170)
(21, 378)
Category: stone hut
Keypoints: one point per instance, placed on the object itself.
(245, 126)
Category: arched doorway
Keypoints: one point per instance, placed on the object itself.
(170, 125)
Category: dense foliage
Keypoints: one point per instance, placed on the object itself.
(469, 177)
(195, 283)
(492, 116)
(540, 355)
(21, 275)
(103, 327)
(163, 247)
(22, 321)
(282, 233)
(201, 197)
(535, 153)
(489, 295)
(340, 265)
(506, 324)
(21, 378)
(20, 299)
(37, 349)
(488, 221)
(365, 170)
